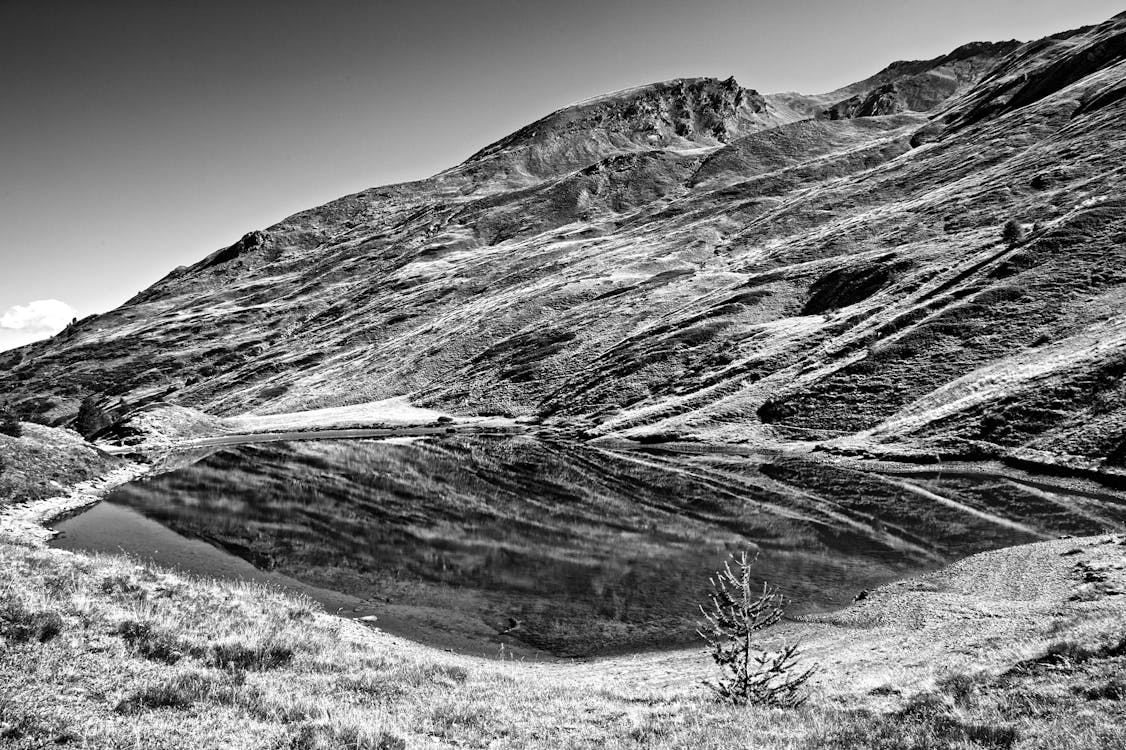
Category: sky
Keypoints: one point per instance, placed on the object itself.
(137, 136)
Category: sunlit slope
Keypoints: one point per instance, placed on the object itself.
(695, 259)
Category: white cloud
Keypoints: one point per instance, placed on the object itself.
(23, 324)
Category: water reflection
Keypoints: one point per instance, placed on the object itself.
(562, 548)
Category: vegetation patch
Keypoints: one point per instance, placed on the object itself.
(153, 642)
(927, 722)
(183, 690)
(43, 461)
(260, 656)
(9, 423)
(846, 286)
(19, 624)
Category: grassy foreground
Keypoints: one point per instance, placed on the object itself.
(105, 652)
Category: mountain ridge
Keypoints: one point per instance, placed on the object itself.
(692, 258)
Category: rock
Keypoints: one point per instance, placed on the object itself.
(249, 242)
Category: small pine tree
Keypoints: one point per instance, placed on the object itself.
(749, 673)
(1012, 233)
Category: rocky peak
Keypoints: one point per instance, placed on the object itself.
(683, 113)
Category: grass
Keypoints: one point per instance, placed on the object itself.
(103, 652)
(18, 624)
(928, 721)
(44, 461)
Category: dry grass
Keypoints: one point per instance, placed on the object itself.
(102, 652)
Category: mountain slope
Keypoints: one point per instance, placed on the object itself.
(695, 259)
(917, 86)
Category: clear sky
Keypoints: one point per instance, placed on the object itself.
(136, 136)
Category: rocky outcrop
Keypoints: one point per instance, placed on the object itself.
(249, 243)
(886, 100)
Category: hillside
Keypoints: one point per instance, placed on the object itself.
(693, 260)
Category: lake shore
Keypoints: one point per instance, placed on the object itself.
(146, 651)
(964, 641)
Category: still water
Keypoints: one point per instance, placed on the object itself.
(522, 546)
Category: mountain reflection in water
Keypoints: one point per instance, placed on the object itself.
(562, 548)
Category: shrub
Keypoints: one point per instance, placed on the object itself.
(1065, 652)
(22, 726)
(154, 643)
(9, 424)
(239, 656)
(273, 391)
(963, 688)
(91, 418)
(180, 692)
(1012, 233)
(22, 625)
(775, 410)
(328, 736)
(1112, 689)
(748, 672)
(121, 586)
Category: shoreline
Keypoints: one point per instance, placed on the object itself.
(163, 456)
(324, 433)
(28, 522)
(989, 624)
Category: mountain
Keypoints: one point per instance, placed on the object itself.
(694, 260)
